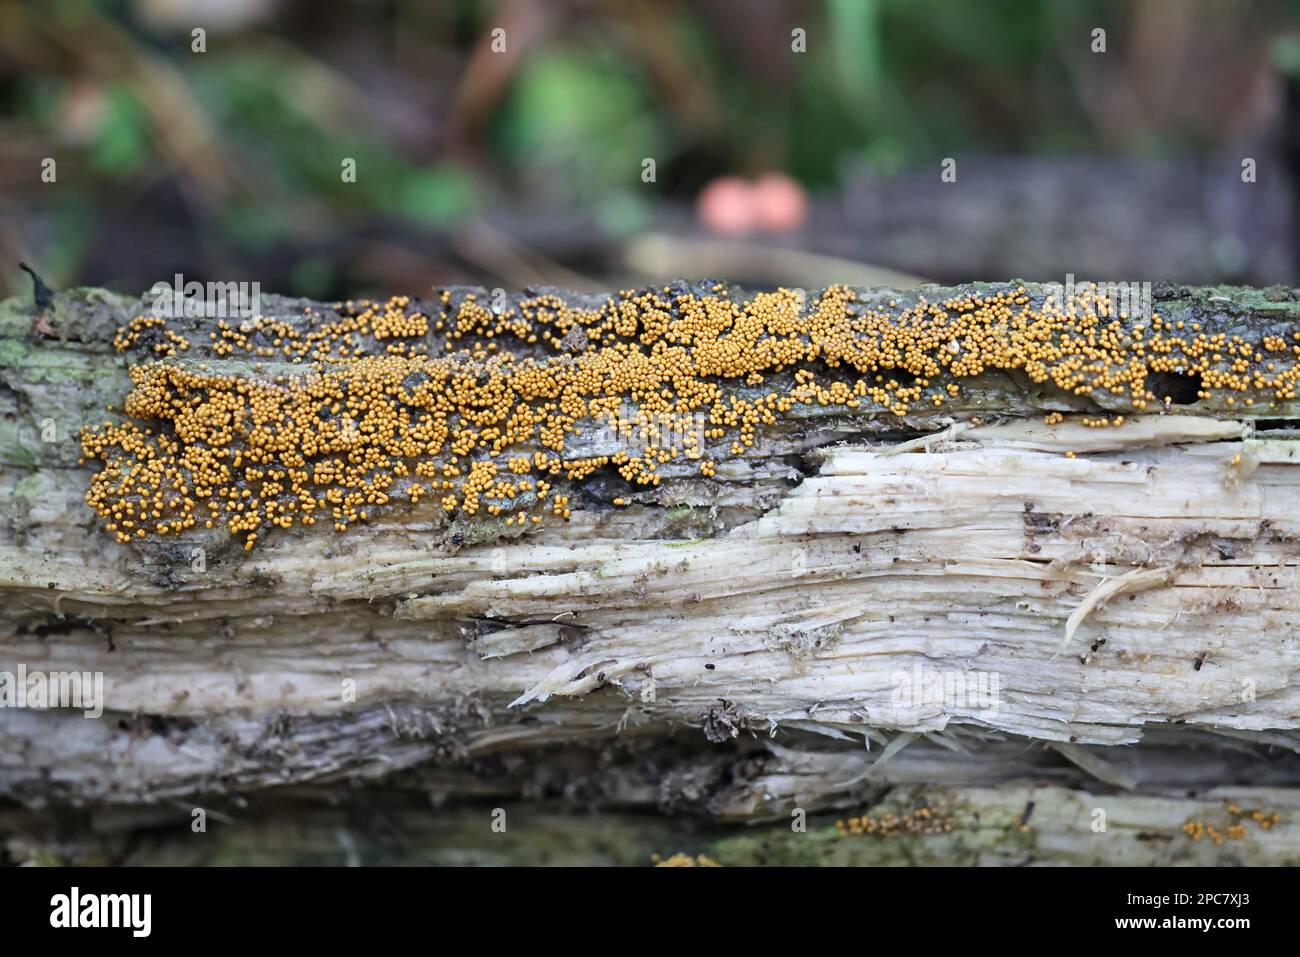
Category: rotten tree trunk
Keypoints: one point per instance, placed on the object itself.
(746, 634)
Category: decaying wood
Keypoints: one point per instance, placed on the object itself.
(1142, 593)
(1016, 825)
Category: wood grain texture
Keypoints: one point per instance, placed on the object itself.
(949, 581)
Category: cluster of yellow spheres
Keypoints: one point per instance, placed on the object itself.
(1234, 831)
(683, 860)
(474, 408)
(920, 821)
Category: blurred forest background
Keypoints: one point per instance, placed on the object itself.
(525, 166)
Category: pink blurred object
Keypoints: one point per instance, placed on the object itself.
(726, 205)
(732, 207)
(780, 203)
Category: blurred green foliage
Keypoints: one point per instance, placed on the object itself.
(589, 91)
(121, 144)
(564, 103)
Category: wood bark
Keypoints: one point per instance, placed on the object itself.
(733, 648)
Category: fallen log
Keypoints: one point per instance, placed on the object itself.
(1025, 529)
(1012, 825)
